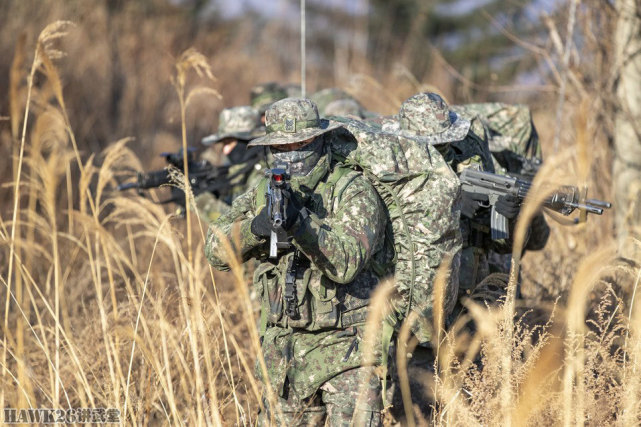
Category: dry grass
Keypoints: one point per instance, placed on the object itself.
(108, 300)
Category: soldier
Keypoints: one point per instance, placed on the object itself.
(263, 95)
(337, 102)
(236, 127)
(515, 148)
(463, 144)
(336, 223)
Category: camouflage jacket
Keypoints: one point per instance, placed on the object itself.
(334, 279)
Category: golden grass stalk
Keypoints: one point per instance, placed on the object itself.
(190, 60)
(379, 309)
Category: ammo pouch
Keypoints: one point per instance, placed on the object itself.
(317, 304)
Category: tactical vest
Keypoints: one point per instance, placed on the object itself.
(321, 303)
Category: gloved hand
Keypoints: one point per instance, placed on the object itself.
(508, 206)
(261, 225)
(293, 207)
(470, 203)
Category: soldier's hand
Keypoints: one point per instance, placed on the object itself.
(508, 206)
(292, 210)
(261, 224)
(471, 203)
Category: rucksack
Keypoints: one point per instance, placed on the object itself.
(510, 126)
(421, 194)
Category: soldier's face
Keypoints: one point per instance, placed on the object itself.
(294, 146)
(229, 146)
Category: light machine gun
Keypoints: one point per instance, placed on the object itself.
(565, 200)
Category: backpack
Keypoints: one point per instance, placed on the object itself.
(511, 126)
(421, 194)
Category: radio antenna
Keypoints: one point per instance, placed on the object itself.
(302, 48)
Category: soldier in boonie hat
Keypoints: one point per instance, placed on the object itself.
(293, 120)
(239, 123)
(236, 126)
(427, 117)
(292, 126)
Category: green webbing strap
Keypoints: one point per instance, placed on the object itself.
(386, 341)
(292, 125)
(263, 322)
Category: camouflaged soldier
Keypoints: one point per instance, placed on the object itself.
(463, 144)
(236, 127)
(515, 148)
(335, 221)
(337, 102)
(263, 95)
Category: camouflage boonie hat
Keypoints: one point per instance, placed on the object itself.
(265, 94)
(293, 120)
(426, 116)
(324, 97)
(241, 123)
(343, 107)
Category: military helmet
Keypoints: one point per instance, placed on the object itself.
(293, 120)
(265, 94)
(242, 123)
(293, 90)
(428, 117)
(324, 97)
(344, 107)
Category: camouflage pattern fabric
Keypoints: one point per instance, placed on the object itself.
(263, 95)
(421, 194)
(245, 175)
(463, 144)
(236, 123)
(337, 240)
(511, 126)
(345, 108)
(512, 137)
(427, 116)
(293, 120)
(324, 97)
(339, 397)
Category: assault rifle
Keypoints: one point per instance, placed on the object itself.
(565, 200)
(278, 180)
(203, 176)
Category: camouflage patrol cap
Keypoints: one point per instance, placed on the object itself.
(265, 94)
(426, 116)
(241, 123)
(293, 120)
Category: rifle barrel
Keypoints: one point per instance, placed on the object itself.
(127, 186)
(586, 207)
(599, 203)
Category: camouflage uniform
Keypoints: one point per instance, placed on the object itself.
(263, 95)
(463, 144)
(512, 138)
(314, 360)
(246, 166)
